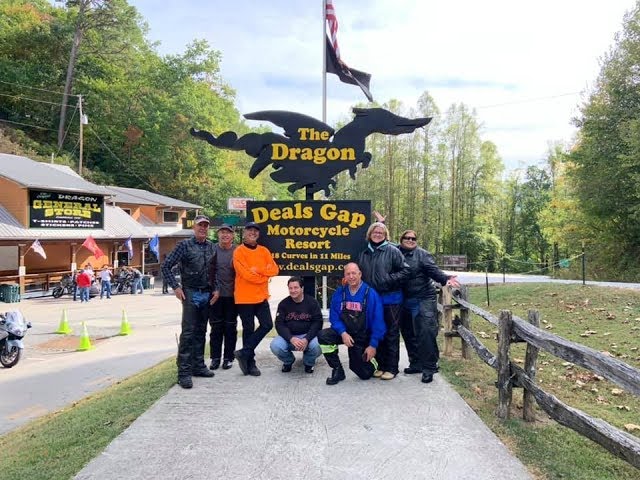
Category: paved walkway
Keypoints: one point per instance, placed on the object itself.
(276, 426)
(293, 426)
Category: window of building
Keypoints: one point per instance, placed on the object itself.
(170, 217)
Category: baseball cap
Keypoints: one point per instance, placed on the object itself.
(225, 226)
(252, 225)
(201, 218)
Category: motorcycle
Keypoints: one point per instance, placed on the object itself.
(13, 328)
(65, 286)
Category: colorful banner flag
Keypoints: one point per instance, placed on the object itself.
(37, 247)
(91, 245)
(129, 246)
(335, 64)
(154, 246)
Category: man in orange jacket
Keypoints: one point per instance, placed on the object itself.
(254, 266)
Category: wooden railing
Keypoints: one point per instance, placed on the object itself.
(509, 375)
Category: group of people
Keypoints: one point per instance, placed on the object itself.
(388, 291)
(85, 277)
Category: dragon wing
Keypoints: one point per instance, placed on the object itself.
(290, 121)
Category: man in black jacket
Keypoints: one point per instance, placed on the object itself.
(298, 321)
(194, 256)
(419, 324)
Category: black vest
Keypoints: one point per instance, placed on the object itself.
(194, 264)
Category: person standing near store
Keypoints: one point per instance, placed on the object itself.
(84, 285)
(254, 266)
(136, 283)
(165, 282)
(222, 312)
(105, 282)
(383, 267)
(194, 256)
(419, 308)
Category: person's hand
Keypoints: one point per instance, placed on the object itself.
(453, 282)
(214, 297)
(299, 343)
(369, 353)
(347, 339)
(379, 217)
(179, 294)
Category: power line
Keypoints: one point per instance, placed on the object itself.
(124, 165)
(27, 125)
(529, 100)
(67, 131)
(20, 97)
(36, 88)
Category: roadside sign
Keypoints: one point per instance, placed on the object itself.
(237, 204)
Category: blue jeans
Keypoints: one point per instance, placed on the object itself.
(136, 285)
(284, 351)
(105, 288)
(84, 294)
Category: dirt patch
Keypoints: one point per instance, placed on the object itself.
(66, 343)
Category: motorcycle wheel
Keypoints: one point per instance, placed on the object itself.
(57, 292)
(9, 356)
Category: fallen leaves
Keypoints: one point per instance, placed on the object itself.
(588, 333)
(617, 392)
(630, 427)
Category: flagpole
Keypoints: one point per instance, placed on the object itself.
(324, 112)
(324, 61)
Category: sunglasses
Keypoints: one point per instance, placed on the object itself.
(413, 239)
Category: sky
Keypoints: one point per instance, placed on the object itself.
(524, 66)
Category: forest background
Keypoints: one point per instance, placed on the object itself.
(446, 181)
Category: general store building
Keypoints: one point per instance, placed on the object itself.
(56, 206)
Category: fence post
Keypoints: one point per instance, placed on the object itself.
(530, 359)
(464, 319)
(447, 320)
(504, 368)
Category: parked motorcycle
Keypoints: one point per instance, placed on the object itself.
(122, 283)
(13, 328)
(65, 286)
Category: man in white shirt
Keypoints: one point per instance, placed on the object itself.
(105, 280)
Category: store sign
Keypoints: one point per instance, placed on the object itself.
(311, 153)
(312, 237)
(65, 210)
(237, 204)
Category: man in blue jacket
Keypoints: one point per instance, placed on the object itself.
(357, 321)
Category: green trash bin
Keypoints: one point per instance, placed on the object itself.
(10, 293)
(145, 282)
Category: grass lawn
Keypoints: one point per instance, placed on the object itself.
(57, 446)
(605, 319)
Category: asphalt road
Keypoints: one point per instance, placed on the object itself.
(52, 374)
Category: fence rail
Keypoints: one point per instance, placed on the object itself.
(509, 375)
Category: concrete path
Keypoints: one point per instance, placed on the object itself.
(293, 426)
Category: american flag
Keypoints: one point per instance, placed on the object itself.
(36, 246)
(332, 20)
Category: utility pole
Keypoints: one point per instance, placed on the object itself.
(81, 123)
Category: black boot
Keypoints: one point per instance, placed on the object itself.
(337, 375)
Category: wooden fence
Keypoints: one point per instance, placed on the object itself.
(509, 375)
